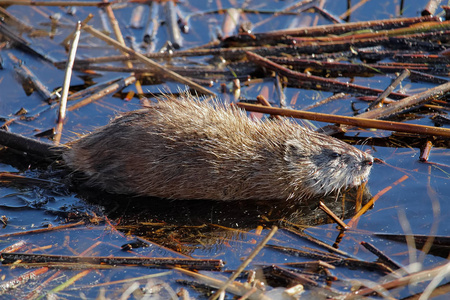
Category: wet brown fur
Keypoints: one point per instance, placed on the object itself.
(189, 149)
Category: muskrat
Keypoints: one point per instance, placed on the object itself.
(191, 149)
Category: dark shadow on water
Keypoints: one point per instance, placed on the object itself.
(234, 214)
(184, 225)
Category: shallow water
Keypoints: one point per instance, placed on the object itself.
(419, 204)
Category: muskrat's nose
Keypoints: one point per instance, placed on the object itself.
(368, 161)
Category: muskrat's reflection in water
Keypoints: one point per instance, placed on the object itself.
(194, 222)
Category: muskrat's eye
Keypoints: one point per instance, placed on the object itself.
(336, 155)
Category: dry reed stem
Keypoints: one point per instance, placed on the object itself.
(22, 279)
(315, 265)
(317, 242)
(403, 32)
(311, 81)
(14, 247)
(149, 242)
(132, 279)
(390, 88)
(425, 151)
(158, 262)
(70, 281)
(408, 102)
(332, 215)
(263, 101)
(155, 66)
(414, 278)
(66, 84)
(358, 68)
(13, 21)
(245, 263)
(235, 287)
(29, 145)
(430, 8)
(42, 230)
(292, 276)
(6, 177)
(441, 290)
(381, 256)
(347, 27)
(359, 197)
(336, 96)
(26, 74)
(173, 30)
(120, 39)
(352, 9)
(84, 22)
(51, 3)
(325, 13)
(106, 91)
(33, 293)
(354, 121)
(77, 276)
(93, 89)
(333, 259)
(372, 201)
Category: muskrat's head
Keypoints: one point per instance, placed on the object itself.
(324, 164)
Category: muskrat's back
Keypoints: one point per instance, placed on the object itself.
(188, 149)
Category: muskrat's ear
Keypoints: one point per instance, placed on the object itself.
(293, 150)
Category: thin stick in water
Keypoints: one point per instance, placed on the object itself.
(390, 88)
(66, 85)
(120, 84)
(332, 215)
(407, 103)
(354, 121)
(120, 39)
(245, 263)
(157, 67)
(84, 22)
